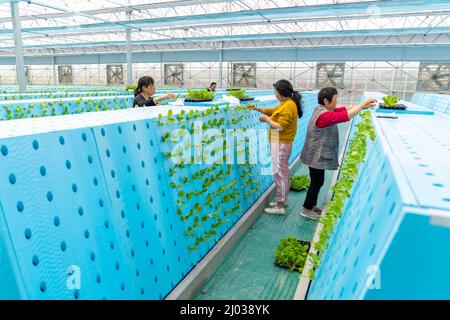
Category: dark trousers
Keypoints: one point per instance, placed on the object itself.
(317, 179)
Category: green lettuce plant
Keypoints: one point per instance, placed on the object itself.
(291, 254)
(240, 94)
(300, 182)
(390, 101)
(200, 94)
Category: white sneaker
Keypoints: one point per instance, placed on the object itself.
(274, 204)
(318, 210)
(275, 211)
(311, 214)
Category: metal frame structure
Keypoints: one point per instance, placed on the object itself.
(132, 31)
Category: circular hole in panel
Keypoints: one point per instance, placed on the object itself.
(63, 246)
(80, 211)
(20, 206)
(355, 286)
(12, 178)
(62, 141)
(42, 171)
(372, 250)
(35, 260)
(56, 221)
(28, 234)
(4, 150)
(35, 145)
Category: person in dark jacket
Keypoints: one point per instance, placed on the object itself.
(321, 149)
(212, 87)
(144, 91)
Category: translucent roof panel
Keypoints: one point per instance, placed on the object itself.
(82, 24)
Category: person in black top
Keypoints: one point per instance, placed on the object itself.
(144, 91)
(212, 87)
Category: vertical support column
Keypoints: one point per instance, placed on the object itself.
(129, 54)
(220, 64)
(55, 75)
(20, 64)
(161, 69)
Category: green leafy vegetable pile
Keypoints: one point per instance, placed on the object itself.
(200, 94)
(240, 94)
(291, 253)
(390, 101)
(355, 156)
(300, 183)
(132, 87)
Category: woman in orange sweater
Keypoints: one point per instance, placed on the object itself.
(283, 128)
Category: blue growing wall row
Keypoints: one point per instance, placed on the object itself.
(88, 209)
(391, 241)
(438, 102)
(57, 94)
(18, 109)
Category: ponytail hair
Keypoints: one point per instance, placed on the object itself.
(285, 89)
(297, 98)
(144, 81)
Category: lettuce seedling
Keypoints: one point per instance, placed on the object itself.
(390, 101)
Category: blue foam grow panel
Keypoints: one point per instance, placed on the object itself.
(391, 241)
(90, 206)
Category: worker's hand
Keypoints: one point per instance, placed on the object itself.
(370, 103)
(171, 96)
(251, 106)
(264, 118)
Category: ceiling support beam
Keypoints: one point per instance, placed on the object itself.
(20, 64)
(429, 53)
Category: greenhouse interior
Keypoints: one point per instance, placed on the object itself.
(224, 150)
